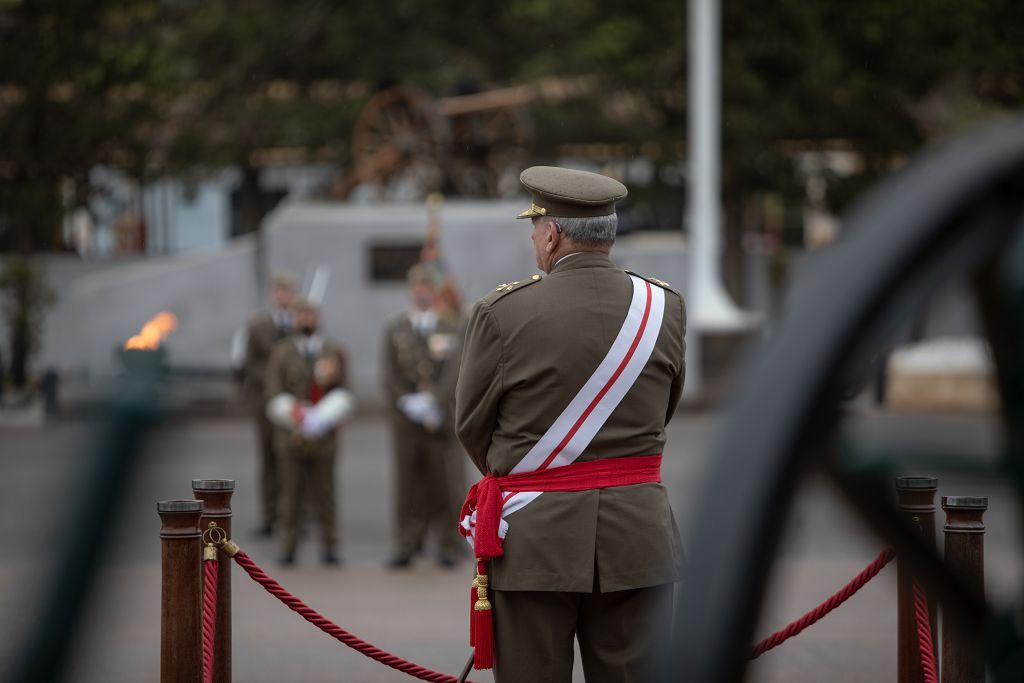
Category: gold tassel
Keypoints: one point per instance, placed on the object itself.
(482, 603)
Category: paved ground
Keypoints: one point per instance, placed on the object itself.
(421, 614)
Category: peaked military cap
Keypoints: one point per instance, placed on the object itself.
(301, 305)
(568, 193)
(283, 279)
(422, 272)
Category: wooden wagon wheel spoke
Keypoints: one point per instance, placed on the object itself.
(400, 132)
(950, 214)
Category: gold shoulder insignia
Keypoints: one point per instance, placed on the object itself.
(653, 280)
(507, 287)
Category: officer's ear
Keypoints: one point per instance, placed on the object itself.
(554, 233)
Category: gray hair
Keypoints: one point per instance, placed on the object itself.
(591, 230)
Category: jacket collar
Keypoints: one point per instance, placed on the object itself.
(586, 259)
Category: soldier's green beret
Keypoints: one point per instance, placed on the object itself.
(569, 193)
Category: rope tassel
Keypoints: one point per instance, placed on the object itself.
(481, 628)
(472, 611)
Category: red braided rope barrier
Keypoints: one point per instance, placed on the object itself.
(816, 614)
(335, 631)
(924, 635)
(210, 568)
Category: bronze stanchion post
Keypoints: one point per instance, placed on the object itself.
(963, 660)
(916, 499)
(181, 658)
(216, 497)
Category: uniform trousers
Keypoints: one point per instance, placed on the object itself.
(267, 464)
(306, 472)
(430, 484)
(624, 636)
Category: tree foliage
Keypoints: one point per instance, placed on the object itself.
(81, 83)
(158, 86)
(883, 77)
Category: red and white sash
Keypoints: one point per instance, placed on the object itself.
(573, 430)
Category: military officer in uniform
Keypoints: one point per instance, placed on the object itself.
(266, 328)
(572, 376)
(306, 457)
(421, 352)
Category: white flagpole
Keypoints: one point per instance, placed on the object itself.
(709, 307)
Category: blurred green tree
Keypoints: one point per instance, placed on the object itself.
(80, 85)
(877, 77)
(185, 86)
(263, 82)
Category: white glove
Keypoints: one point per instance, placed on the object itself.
(333, 409)
(281, 411)
(414, 405)
(433, 417)
(313, 425)
(422, 408)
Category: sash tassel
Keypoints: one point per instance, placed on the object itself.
(484, 502)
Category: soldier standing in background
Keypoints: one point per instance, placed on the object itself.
(266, 328)
(421, 354)
(306, 448)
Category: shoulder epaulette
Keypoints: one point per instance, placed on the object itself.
(654, 281)
(508, 287)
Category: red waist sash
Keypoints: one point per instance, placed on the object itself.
(486, 497)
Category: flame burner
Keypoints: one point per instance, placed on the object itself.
(144, 354)
(154, 332)
(143, 362)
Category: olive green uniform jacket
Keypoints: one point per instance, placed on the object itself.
(305, 467)
(430, 475)
(414, 363)
(530, 347)
(263, 335)
(289, 371)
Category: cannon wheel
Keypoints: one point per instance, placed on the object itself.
(954, 213)
(490, 146)
(400, 134)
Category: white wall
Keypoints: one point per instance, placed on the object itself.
(482, 242)
(214, 292)
(99, 306)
